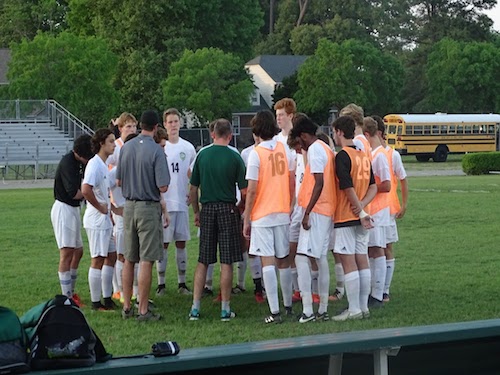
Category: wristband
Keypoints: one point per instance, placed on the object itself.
(363, 214)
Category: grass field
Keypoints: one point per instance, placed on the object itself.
(447, 270)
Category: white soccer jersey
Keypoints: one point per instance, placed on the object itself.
(116, 191)
(299, 173)
(284, 139)
(97, 176)
(180, 155)
(246, 152)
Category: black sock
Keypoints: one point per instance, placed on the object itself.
(258, 285)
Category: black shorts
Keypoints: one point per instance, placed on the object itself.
(220, 225)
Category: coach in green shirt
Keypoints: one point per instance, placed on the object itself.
(216, 172)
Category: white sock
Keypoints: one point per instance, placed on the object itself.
(242, 269)
(210, 276)
(65, 281)
(378, 278)
(323, 283)
(295, 280)
(339, 277)
(352, 291)
(391, 264)
(107, 278)
(314, 281)
(286, 286)
(115, 280)
(181, 259)
(74, 276)
(225, 306)
(256, 268)
(304, 277)
(118, 272)
(135, 288)
(161, 267)
(364, 288)
(95, 284)
(269, 275)
(371, 261)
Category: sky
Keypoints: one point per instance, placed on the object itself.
(494, 14)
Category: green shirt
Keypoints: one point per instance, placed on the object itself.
(216, 171)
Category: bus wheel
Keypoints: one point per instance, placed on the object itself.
(423, 157)
(441, 154)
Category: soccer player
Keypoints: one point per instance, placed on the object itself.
(398, 210)
(216, 171)
(65, 214)
(316, 199)
(126, 125)
(97, 221)
(255, 263)
(267, 211)
(180, 154)
(355, 189)
(379, 211)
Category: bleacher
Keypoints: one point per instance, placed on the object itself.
(34, 136)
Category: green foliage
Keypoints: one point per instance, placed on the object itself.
(353, 71)
(75, 71)
(481, 163)
(21, 19)
(209, 83)
(463, 77)
(287, 89)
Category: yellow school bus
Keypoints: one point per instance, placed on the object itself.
(435, 136)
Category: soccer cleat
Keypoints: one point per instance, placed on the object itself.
(116, 296)
(148, 317)
(304, 318)
(259, 298)
(77, 300)
(346, 315)
(288, 311)
(386, 298)
(127, 314)
(366, 314)
(273, 319)
(226, 316)
(183, 289)
(296, 297)
(161, 290)
(110, 304)
(374, 303)
(194, 314)
(207, 292)
(315, 298)
(98, 306)
(322, 317)
(151, 304)
(336, 296)
(238, 289)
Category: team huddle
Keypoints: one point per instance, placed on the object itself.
(285, 203)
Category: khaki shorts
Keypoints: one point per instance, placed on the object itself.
(143, 231)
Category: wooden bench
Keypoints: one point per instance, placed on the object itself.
(325, 353)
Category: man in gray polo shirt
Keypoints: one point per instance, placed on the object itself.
(143, 174)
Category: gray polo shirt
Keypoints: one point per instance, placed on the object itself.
(142, 169)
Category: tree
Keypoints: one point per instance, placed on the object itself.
(463, 77)
(20, 19)
(287, 89)
(209, 83)
(75, 71)
(353, 71)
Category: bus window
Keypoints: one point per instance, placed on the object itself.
(409, 129)
(417, 129)
(468, 129)
(491, 129)
(427, 129)
(392, 129)
(475, 129)
(460, 129)
(452, 129)
(436, 129)
(400, 130)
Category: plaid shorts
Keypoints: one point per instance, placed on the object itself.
(220, 224)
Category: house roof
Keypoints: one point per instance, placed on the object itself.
(278, 66)
(4, 60)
